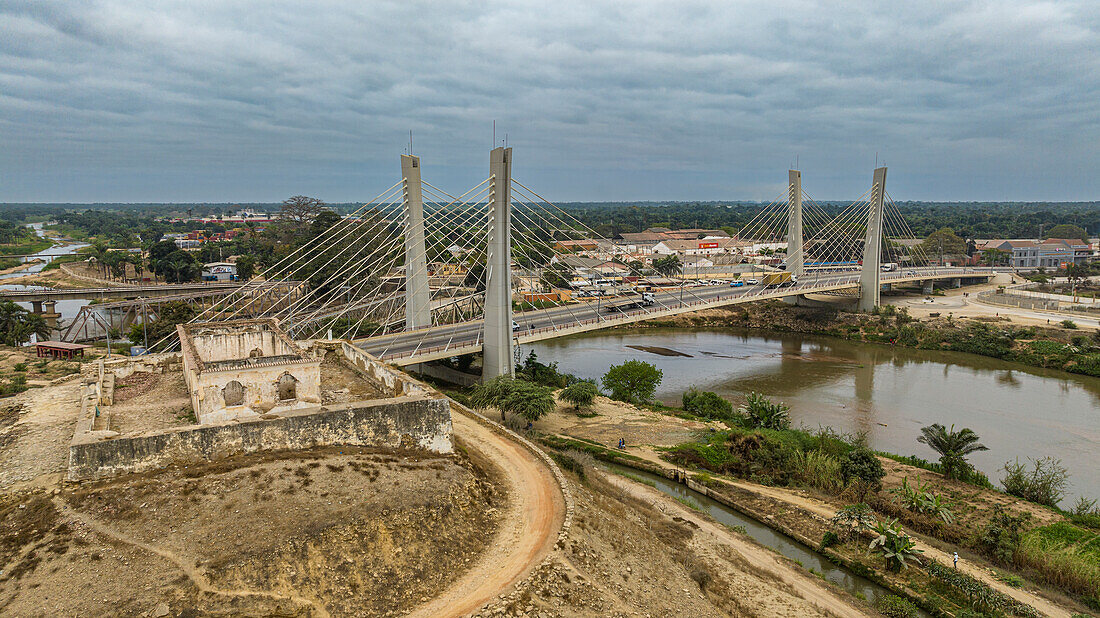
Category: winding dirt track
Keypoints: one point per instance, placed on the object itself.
(529, 528)
(197, 577)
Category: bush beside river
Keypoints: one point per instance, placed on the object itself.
(1068, 349)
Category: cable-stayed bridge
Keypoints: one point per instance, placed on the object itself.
(419, 274)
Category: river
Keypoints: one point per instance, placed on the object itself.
(67, 308)
(888, 392)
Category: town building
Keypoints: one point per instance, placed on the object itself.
(219, 271)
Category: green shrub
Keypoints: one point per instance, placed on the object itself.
(851, 520)
(893, 606)
(828, 539)
(1044, 483)
(762, 413)
(978, 593)
(20, 367)
(819, 469)
(861, 471)
(706, 404)
(1069, 324)
(921, 499)
(896, 548)
(1000, 538)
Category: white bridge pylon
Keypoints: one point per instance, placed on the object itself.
(417, 272)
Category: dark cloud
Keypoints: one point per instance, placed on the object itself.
(207, 100)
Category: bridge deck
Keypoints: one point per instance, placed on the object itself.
(444, 341)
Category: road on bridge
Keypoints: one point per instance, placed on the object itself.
(448, 340)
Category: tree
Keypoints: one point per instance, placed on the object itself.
(167, 316)
(301, 209)
(580, 394)
(17, 325)
(179, 267)
(668, 266)
(634, 381)
(953, 447)
(246, 267)
(861, 471)
(99, 251)
(512, 396)
(994, 257)
(943, 241)
(1067, 230)
(323, 221)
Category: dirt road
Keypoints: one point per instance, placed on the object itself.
(528, 531)
(809, 588)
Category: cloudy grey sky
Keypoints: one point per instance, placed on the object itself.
(208, 100)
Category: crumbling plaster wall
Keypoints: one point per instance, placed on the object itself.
(230, 345)
(418, 422)
(260, 387)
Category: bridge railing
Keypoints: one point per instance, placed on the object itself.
(806, 285)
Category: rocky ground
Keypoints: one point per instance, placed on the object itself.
(36, 428)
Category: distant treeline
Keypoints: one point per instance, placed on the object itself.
(967, 219)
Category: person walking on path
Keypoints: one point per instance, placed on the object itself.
(956, 559)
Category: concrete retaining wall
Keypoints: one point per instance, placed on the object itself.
(412, 422)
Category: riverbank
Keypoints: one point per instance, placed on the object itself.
(1064, 346)
(803, 512)
(17, 265)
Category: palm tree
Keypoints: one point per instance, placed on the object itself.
(99, 249)
(34, 324)
(668, 266)
(953, 447)
(17, 325)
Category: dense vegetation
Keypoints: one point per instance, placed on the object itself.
(967, 219)
(19, 240)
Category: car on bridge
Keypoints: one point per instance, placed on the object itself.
(737, 284)
(752, 281)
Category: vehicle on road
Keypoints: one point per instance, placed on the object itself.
(774, 280)
(889, 267)
(645, 300)
(737, 284)
(752, 281)
(515, 325)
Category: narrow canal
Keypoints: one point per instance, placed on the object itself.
(781, 543)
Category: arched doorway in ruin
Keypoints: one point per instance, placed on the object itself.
(287, 387)
(233, 393)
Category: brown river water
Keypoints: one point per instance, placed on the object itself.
(888, 392)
